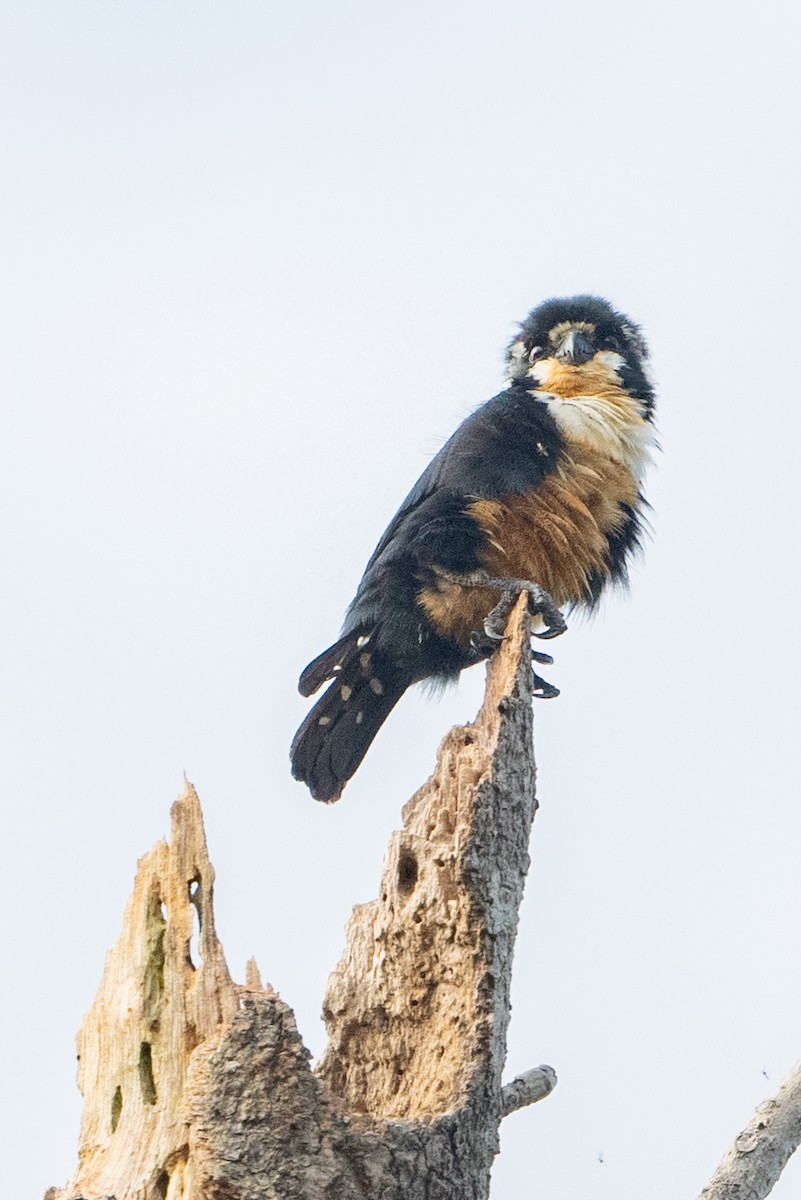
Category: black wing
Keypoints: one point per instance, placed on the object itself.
(505, 447)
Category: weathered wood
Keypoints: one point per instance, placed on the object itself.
(165, 990)
(760, 1153)
(417, 1011)
(528, 1088)
(196, 1088)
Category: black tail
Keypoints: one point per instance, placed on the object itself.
(337, 733)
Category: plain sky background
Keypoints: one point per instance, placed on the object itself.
(258, 260)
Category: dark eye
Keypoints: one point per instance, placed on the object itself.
(534, 352)
(612, 342)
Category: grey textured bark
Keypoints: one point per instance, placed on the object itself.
(760, 1153)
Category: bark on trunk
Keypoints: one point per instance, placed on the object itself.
(195, 1087)
(761, 1152)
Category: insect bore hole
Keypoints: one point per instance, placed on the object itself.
(116, 1109)
(407, 873)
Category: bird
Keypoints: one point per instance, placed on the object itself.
(538, 490)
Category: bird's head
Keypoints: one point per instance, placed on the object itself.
(578, 345)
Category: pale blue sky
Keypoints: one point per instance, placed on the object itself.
(259, 260)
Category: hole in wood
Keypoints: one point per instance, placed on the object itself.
(146, 1081)
(116, 1109)
(407, 873)
(160, 1186)
(193, 952)
(153, 980)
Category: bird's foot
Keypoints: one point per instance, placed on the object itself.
(540, 604)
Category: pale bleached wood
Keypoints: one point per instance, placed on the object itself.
(760, 1153)
(407, 1101)
(165, 990)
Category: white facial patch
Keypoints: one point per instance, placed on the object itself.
(612, 360)
(518, 358)
(540, 370)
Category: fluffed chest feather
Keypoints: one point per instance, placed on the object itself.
(561, 534)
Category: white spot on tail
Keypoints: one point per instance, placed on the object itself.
(324, 721)
(376, 686)
(346, 692)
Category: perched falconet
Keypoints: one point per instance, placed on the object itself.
(538, 490)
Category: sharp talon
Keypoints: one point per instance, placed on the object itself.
(539, 657)
(541, 605)
(484, 644)
(478, 642)
(544, 690)
(552, 632)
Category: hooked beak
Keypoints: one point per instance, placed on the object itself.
(575, 348)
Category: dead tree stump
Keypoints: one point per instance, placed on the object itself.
(196, 1088)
